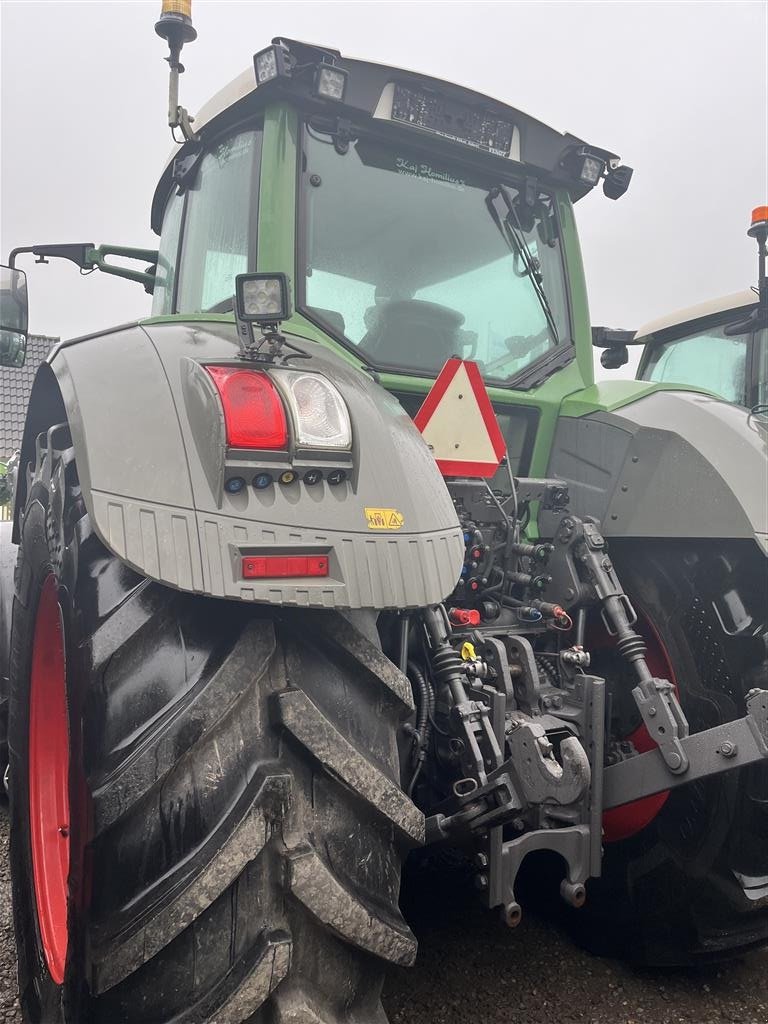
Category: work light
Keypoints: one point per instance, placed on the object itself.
(330, 82)
(273, 62)
(262, 298)
(590, 168)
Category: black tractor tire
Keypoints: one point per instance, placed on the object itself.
(237, 822)
(672, 894)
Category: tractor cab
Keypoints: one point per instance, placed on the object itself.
(414, 219)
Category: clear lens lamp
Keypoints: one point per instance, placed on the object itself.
(330, 82)
(320, 414)
(266, 66)
(262, 298)
(591, 170)
(271, 63)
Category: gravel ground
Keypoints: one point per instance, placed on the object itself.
(473, 970)
(9, 1004)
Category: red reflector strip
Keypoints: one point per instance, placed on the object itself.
(283, 566)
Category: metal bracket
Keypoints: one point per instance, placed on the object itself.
(731, 745)
(506, 857)
(664, 719)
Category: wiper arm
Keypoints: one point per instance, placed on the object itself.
(513, 235)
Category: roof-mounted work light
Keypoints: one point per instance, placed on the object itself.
(273, 62)
(588, 168)
(330, 82)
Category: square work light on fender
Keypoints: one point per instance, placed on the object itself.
(263, 299)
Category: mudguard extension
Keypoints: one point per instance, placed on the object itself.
(149, 441)
(673, 464)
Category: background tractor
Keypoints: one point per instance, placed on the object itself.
(720, 346)
(262, 646)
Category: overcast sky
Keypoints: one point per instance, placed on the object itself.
(678, 89)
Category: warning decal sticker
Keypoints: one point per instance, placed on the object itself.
(384, 518)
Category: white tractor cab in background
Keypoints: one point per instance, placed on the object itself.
(720, 345)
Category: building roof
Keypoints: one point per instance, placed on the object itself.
(15, 388)
(704, 309)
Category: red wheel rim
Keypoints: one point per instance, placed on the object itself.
(629, 819)
(49, 779)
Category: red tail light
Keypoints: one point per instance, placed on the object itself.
(253, 410)
(284, 566)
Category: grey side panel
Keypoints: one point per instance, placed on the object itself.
(673, 464)
(122, 417)
(149, 441)
(202, 552)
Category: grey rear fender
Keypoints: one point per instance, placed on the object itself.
(148, 434)
(671, 465)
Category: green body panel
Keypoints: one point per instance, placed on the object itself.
(580, 319)
(277, 192)
(605, 396)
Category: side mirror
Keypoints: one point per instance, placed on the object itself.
(614, 357)
(614, 342)
(14, 316)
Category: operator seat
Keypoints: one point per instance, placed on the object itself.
(413, 334)
(332, 317)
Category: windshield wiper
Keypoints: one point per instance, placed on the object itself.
(513, 235)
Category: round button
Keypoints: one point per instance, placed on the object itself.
(337, 476)
(234, 485)
(312, 477)
(288, 477)
(262, 480)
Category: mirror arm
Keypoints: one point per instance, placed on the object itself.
(88, 257)
(97, 257)
(613, 337)
(75, 253)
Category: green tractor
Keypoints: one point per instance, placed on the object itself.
(268, 638)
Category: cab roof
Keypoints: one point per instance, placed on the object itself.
(369, 87)
(701, 311)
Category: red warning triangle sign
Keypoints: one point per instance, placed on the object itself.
(459, 424)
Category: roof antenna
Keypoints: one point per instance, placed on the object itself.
(175, 26)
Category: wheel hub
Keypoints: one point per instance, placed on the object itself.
(49, 818)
